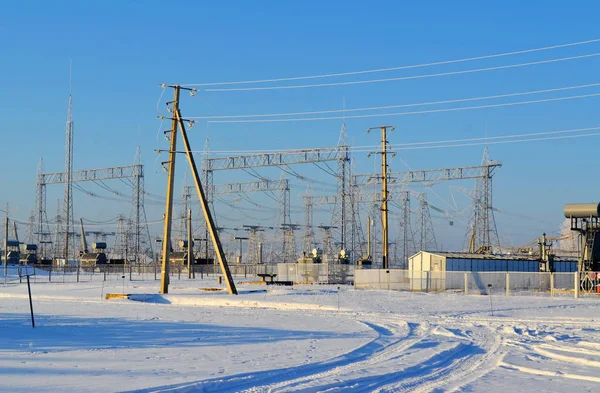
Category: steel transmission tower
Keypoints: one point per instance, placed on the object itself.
(183, 211)
(328, 249)
(56, 246)
(482, 228)
(308, 239)
(289, 242)
(255, 237)
(142, 242)
(122, 241)
(68, 194)
(42, 230)
(405, 234)
(424, 225)
(342, 212)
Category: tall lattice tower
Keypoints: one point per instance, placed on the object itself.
(308, 239)
(183, 211)
(207, 180)
(141, 239)
(41, 230)
(122, 238)
(289, 242)
(69, 245)
(425, 234)
(328, 250)
(342, 212)
(482, 233)
(255, 237)
(405, 234)
(376, 226)
(57, 249)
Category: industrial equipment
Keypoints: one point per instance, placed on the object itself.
(94, 258)
(585, 219)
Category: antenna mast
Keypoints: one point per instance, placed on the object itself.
(68, 198)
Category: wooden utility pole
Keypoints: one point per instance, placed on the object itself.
(177, 121)
(384, 193)
(166, 243)
(212, 230)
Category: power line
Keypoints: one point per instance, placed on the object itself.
(373, 108)
(500, 142)
(400, 78)
(362, 147)
(514, 103)
(398, 67)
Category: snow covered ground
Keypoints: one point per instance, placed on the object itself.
(292, 339)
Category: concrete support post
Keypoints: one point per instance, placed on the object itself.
(507, 284)
(466, 284)
(576, 284)
(551, 284)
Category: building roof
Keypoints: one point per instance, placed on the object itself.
(510, 257)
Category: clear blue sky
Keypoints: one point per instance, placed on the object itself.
(122, 50)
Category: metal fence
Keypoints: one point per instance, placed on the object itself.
(131, 272)
(315, 273)
(470, 282)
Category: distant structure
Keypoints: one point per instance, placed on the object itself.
(69, 244)
(483, 236)
(585, 219)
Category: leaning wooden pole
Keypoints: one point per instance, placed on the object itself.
(166, 243)
(205, 208)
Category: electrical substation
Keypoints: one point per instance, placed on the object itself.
(374, 222)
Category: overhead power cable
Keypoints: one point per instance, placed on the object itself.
(401, 78)
(444, 62)
(501, 142)
(446, 141)
(514, 103)
(374, 108)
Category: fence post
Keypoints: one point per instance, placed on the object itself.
(466, 284)
(507, 284)
(50, 274)
(576, 275)
(105, 269)
(154, 271)
(77, 272)
(130, 269)
(551, 284)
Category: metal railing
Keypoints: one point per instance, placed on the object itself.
(469, 282)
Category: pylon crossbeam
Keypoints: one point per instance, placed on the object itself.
(304, 156)
(431, 175)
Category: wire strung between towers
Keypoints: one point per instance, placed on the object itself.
(444, 62)
(394, 145)
(401, 78)
(514, 103)
(374, 108)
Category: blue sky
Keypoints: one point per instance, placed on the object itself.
(122, 50)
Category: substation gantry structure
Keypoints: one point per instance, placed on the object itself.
(405, 234)
(482, 226)
(142, 245)
(339, 154)
(255, 242)
(242, 188)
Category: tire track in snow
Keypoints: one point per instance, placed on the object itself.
(461, 356)
(262, 381)
(396, 347)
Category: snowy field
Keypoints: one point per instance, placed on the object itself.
(292, 339)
